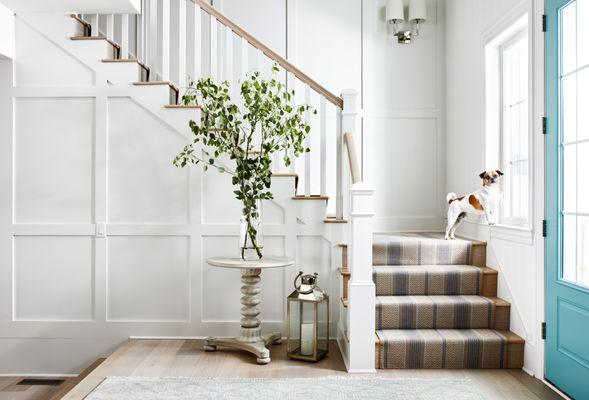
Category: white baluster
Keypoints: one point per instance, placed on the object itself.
(182, 43)
(164, 39)
(151, 41)
(221, 44)
(213, 72)
(94, 24)
(290, 81)
(308, 144)
(110, 26)
(323, 146)
(197, 48)
(229, 54)
(174, 51)
(124, 36)
(140, 33)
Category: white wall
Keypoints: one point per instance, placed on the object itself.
(516, 253)
(6, 32)
(344, 44)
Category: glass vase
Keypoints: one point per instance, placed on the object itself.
(251, 236)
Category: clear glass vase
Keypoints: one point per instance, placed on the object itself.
(251, 235)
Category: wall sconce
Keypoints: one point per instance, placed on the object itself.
(395, 15)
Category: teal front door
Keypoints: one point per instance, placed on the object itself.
(567, 196)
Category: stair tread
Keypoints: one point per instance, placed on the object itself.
(312, 197)
(155, 83)
(442, 298)
(395, 334)
(448, 348)
(430, 267)
(422, 248)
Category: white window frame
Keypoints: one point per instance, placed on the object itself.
(493, 40)
(505, 45)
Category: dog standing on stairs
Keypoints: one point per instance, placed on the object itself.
(483, 201)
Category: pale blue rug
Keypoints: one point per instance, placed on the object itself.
(138, 388)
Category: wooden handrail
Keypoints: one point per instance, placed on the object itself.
(353, 158)
(284, 63)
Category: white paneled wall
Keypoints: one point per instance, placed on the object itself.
(402, 91)
(102, 237)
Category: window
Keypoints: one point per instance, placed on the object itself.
(514, 135)
(507, 115)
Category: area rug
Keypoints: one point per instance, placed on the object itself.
(139, 388)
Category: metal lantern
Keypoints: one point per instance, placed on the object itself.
(308, 320)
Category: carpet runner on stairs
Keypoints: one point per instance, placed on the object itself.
(436, 306)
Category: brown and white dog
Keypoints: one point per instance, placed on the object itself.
(483, 201)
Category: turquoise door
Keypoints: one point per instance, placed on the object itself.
(567, 196)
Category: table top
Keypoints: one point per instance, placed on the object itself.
(236, 262)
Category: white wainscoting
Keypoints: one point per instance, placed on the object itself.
(103, 238)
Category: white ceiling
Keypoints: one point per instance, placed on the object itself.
(78, 6)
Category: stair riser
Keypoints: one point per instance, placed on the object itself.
(514, 360)
(404, 251)
(442, 316)
(452, 350)
(478, 256)
(345, 280)
(123, 73)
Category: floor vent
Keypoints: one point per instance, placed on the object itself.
(39, 382)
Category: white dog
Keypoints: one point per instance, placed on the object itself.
(484, 201)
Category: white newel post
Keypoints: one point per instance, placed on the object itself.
(361, 291)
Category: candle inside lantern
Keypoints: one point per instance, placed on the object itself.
(307, 331)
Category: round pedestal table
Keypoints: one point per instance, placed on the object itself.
(250, 335)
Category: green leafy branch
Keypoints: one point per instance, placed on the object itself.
(267, 122)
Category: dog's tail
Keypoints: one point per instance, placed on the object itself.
(451, 197)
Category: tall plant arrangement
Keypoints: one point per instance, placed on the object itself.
(266, 121)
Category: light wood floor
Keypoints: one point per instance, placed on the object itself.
(186, 358)
(9, 390)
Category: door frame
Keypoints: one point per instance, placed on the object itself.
(553, 189)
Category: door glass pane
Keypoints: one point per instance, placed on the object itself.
(569, 108)
(583, 102)
(569, 242)
(583, 250)
(583, 169)
(570, 178)
(568, 38)
(582, 32)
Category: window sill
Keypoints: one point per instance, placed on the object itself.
(511, 233)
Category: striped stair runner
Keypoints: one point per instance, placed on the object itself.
(436, 306)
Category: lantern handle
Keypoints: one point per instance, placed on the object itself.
(298, 287)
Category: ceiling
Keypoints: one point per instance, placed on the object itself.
(78, 6)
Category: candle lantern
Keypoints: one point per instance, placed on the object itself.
(308, 320)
